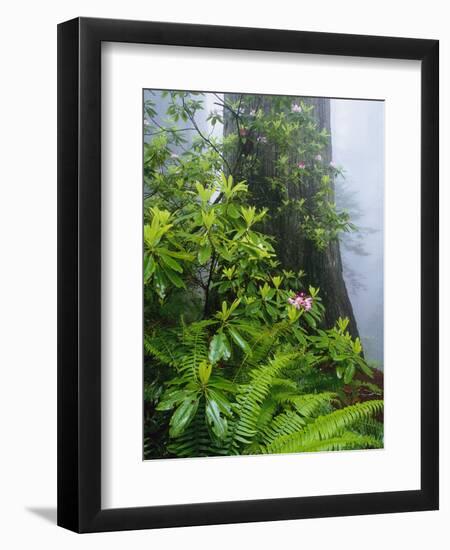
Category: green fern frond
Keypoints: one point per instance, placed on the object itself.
(262, 343)
(182, 349)
(310, 404)
(195, 344)
(285, 423)
(284, 385)
(250, 398)
(268, 409)
(163, 346)
(370, 427)
(315, 380)
(325, 427)
(347, 441)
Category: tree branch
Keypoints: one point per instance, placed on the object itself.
(205, 139)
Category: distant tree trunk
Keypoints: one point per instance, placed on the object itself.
(323, 268)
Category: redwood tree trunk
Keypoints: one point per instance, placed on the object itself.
(323, 268)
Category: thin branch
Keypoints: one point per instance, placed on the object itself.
(211, 271)
(208, 141)
(169, 130)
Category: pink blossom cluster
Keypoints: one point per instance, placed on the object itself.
(301, 301)
(301, 165)
(295, 108)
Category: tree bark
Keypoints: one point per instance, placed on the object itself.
(323, 268)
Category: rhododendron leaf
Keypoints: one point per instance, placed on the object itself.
(349, 373)
(181, 255)
(222, 384)
(204, 254)
(226, 254)
(222, 402)
(171, 398)
(219, 348)
(252, 308)
(149, 267)
(337, 357)
(310, 320)
(160, 282)
(204, 372)
(216, 422)
(204, 194)
(364, 366)
(239, 340)
(174, 278)
(272, 311)
(183, 416)
(233, 212)
(170, 262)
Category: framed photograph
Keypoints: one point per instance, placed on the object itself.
(248, 275)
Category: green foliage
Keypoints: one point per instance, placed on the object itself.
(250, 398)
(326, 428)
(233, 365)
(342, 350)
(266, 411)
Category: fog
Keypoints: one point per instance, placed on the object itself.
(357, 130)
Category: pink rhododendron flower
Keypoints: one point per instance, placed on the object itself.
(252, 112)
(301, 301)
(301, 165)
(295, 108)
(318, 157)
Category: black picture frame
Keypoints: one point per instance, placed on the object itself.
(79, 274)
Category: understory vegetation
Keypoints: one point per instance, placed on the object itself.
(237, 358)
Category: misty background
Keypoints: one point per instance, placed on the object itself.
(357, 134)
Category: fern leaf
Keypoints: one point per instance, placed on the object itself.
(347, 441)
(163, 346)
(310, 404)
(262, 344)
(285, 423)
(195, 348)
(250, 398)
(325, 427)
